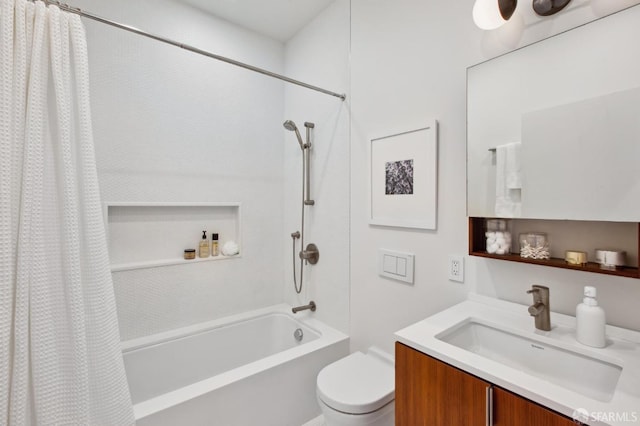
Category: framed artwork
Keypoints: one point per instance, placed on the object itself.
(404, 178)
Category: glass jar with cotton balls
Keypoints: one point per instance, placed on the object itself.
(498, 236)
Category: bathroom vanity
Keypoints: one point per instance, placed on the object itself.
(429, 391)
(482, 362)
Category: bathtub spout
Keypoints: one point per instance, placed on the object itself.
(311, 306)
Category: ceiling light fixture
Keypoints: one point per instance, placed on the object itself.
(491, 14)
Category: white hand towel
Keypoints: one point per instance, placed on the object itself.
(508, 180)
(512, 168)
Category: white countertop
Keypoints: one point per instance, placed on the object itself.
(623, 346)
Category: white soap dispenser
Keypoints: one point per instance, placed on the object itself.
(590, 320)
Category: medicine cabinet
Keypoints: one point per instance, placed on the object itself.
(147, 235)
(572, 101)
(571, 105)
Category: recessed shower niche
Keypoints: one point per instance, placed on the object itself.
(147, 235)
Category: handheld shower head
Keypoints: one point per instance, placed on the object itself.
(291, 126)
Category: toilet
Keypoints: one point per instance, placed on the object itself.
(358, 390)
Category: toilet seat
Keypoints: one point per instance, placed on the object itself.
(357, 384)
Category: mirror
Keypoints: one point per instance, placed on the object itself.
(554, 127)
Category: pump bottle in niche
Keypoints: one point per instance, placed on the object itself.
(214, 245)
(203, 248)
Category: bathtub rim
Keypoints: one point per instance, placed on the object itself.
(203, 327)
(327, 337)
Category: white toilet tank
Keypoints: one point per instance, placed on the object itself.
(358, 390)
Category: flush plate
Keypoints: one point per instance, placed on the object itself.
(396, 265)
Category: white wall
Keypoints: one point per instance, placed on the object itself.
(408, 64)
(319, 55)
(167, 123)
(170, 125)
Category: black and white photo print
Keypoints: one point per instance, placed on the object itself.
(399, 177)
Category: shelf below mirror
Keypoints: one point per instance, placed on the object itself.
(585, 236)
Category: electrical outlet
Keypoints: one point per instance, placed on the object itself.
(456, 268)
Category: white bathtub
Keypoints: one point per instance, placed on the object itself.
(243, 370)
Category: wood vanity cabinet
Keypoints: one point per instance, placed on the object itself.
(430, 392)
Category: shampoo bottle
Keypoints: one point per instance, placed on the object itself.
(590, 320)
(214, 245)
(203, 248)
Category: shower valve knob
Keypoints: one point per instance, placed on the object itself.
(310, 254)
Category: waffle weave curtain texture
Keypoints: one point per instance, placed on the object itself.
(60, 356)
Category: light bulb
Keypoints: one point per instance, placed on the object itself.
(492, 14)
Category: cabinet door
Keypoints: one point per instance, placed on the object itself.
(432, 393)
(512, 410)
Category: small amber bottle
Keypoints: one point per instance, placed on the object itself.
(214, 245)
(203, 248)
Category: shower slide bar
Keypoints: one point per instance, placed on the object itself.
(131, 29)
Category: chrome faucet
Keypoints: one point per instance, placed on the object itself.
(540, 309)
(311, 306)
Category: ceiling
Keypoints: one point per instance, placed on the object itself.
(277, 19)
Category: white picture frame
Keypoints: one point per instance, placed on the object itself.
(403, 178)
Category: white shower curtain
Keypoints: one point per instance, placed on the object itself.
(60, 357)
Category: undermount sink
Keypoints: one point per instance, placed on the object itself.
(591, 377)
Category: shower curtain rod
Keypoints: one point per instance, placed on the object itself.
(131, 29)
